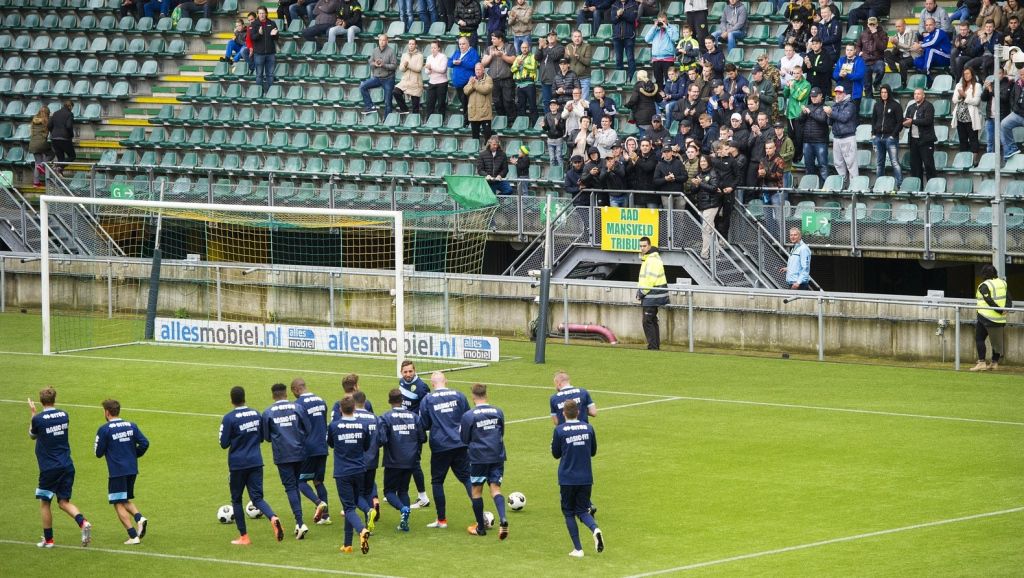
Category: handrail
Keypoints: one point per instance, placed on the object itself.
(764, 233)
(54, 177)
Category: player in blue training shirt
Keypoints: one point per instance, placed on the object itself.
(401, 436)
(350, 385)
(372, 456)
(575, 443)
(49, 428)
(413, 391)
(565, 391)
(350, 439)
(283, 428)
(313, 411)
(241, 432)
(122, 443)
(483, 431)
(441, 414)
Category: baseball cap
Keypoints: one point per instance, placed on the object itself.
(576, 159)
(564, 60)
(716, 83)
(617, 144)
(815, 91)
(757, 68)
(872, 20)
(779, 124)
(656, 118)
(687, 123)
(840, 89)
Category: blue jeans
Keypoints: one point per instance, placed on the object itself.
(620, 45)
(234, 50)
(595, 21)
(545, 98)
(428, 14)
(1012, 121)
(265, 70)
(887, 146)
(519, 40)
(773, 221)
(155, 8)
(304, 12)
(555, 153)
(501, 187)
(405, 13)
(874, 76)
(585, 87)
(388, 82)
(734, 37)
(816, 159)
(990, 132)
(961, 14)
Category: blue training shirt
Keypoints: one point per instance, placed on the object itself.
(413, 392)
(50, 430)
(563, 395)
(350, 439)
(336, 409)
(372, 454)
(241, 432)
(283, 428)
(574, 442)
(122, 443)
(401, 435)
(313, 413)
(441, 414)
(483, 430)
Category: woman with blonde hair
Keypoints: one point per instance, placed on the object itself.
(39, 144)
(642, 101)
(967, 111)
(411, 85)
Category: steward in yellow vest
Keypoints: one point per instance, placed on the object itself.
(993, 297)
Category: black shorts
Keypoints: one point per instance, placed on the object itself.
(121, 489)
(313, 468)
(56, 483)
(486, 473)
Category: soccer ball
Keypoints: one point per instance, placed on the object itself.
(252, 511)
(516, 501)
(489, 519)
(226, 514)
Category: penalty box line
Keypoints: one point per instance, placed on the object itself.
(821, 543)
(204, 559)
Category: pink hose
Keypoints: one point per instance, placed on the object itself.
(601, 330)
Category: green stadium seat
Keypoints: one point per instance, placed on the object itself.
(987, 188)
(884, 184)
(960, 186)
(986, 165)
(963, 161)
(834, 183)
(911, 184)
(862, 183)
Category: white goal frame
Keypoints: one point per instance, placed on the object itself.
(395, 216)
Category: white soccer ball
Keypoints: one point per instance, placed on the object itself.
(252, 511)
(489, 519)
(516, 501)
(226, 514)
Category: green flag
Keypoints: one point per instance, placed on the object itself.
(471, 192)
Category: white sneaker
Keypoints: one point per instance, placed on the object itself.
(301, 531)
(423, 502)
(576, 553)
(132, 541)
(438, 524)
(45, 544)
(325, 522)
(598, 540)
(86, 533)
(143, 522)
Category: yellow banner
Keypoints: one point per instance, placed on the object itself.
(621, 229)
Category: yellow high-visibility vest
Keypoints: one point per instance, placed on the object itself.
(997, 291)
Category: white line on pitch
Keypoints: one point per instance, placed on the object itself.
(138, 409)
(202, 559)
(828, 542)
(600, 409)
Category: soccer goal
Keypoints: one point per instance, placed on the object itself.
(276, 278)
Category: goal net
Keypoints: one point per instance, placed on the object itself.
(333, 280)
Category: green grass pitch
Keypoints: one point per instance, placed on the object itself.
(708, 465)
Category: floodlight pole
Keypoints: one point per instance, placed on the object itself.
(998, 204)
(545, 288)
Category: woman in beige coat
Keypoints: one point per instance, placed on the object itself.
(411, 85)
(966, 111)
(480, 110)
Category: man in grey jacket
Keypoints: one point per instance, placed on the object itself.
(382, 74)
(733, 27)
(843, 118)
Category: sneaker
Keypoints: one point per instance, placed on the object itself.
(86, 533)
(318, 515)
(599, 540)
(475, 530)
(242, 540)
(993, 366)
(403, 524)
(143, 523)
(325, 521)
(403, 112)
(301, 531)
(275, 524)
(364, 541)
(346, 549)
(438, 524)
(132, 541)
(421, 503)
(980, 366)
(503, 531)
(369, 110)
(576, 553)
(371, 518)
(44, 543)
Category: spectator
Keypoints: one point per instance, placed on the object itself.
(691, 164)
(934, 12)
(39, 145)
(131, 8)
(592, 10)
(994, 298)
(640, 175)
(899, 58)
(688, 49)
(933, 48)
(428, 13)
(770, 171)
(325, 16)
(797, 93)
(247, 52)
(964, 48)
(669, 177)
(760, 133)
(404, 13)
(264, 44)
(966, 11)
(492, 164)
(573, 176)
(496, 13)
(498, 61)
(463, 64)
(1011, 9)
(565, 82)
(195, 7)
(988, 94)
(686, 135)
(446, 13)
(802, 10)
(301, 10)
(734, 85)
(843, 118)
(984, 47)
(697, 17)
(520, 19)
(624, 18)
(920, 119)
(798, 268)
(673, 91)
(990, 10)
(580, 55)
(436, 66)
(157, 9)
(819, 66)
(382, 74)
(524, 74)
(601, 106)
(590, 183)
(786, 149)
(797, 34)
(733, 26)
(284, 11)
(691, 107)
(713, 59)
(708, 199)
(1014, 35)
(717, 101)
(790, 60)
(871, 46)
(578, 137)
(658, 134)
(349, 22)
(411, 85)
(762, 88)
(707, 76)
(549, 53)
(62, 134)
(1013, 120)
(236, 45)
(731, 169)
(613, 177)
(554, 131)
(815, 123)
(575, 110)
(849, 73)
(479, 89)
(868, 10)
(522, 164)
(712, 133)
(642, 102)
(662, 37)
(830, 30)
(468, 17)
(886, 124)
(967, 112)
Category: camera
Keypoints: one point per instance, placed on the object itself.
(661, 24)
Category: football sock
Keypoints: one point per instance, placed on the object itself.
(138, 516)
(478, 511)
(588, 521)
(321, 492)
(239, 518)
(80, 519)
(574, 532)
(439, 500)
(309, 493)
(393, 500)
(404, 497)
(132, 533)
(48, 534)
(499, 503)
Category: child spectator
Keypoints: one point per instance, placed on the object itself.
(237, 44)
(522, 163)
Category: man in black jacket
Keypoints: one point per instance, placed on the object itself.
(640, 175)
(264, 44)
(670, 174)
(815, 122)
(920, 119)
(493, 166)
(731, 169)
(468, 16)
(62, 133)
(549, 52)
(573, 176)
(818, 66)
(613, 177)
(886, 124)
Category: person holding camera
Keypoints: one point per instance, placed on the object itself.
(662, 37)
